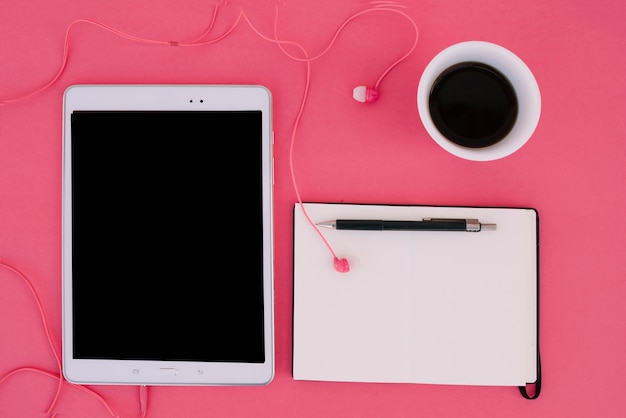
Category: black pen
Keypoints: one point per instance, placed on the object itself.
(426, 224)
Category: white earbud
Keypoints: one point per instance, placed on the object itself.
(365, 94)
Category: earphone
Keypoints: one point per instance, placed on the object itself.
(365, 94)
(361, 94)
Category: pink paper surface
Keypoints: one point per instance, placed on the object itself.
(572, 171)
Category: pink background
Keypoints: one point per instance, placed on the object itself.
(572, 170)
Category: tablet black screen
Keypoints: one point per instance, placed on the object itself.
(167, 235)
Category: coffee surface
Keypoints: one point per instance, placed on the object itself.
(473, 105)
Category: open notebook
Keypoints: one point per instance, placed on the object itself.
(437, 307)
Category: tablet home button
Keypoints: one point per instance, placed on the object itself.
(168, 372)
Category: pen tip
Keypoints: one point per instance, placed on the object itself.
(327, 224)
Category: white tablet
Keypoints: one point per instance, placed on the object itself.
(167, 235)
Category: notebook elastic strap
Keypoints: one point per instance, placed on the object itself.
(537, 384)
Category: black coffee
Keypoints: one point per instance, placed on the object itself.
(473, 104)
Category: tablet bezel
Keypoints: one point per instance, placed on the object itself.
(168, 98)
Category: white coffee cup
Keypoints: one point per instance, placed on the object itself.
(508, 65)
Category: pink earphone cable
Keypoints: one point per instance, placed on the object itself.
(297, 119)
(340, 264)
(66, 45)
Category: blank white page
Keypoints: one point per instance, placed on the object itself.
(437, 307)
